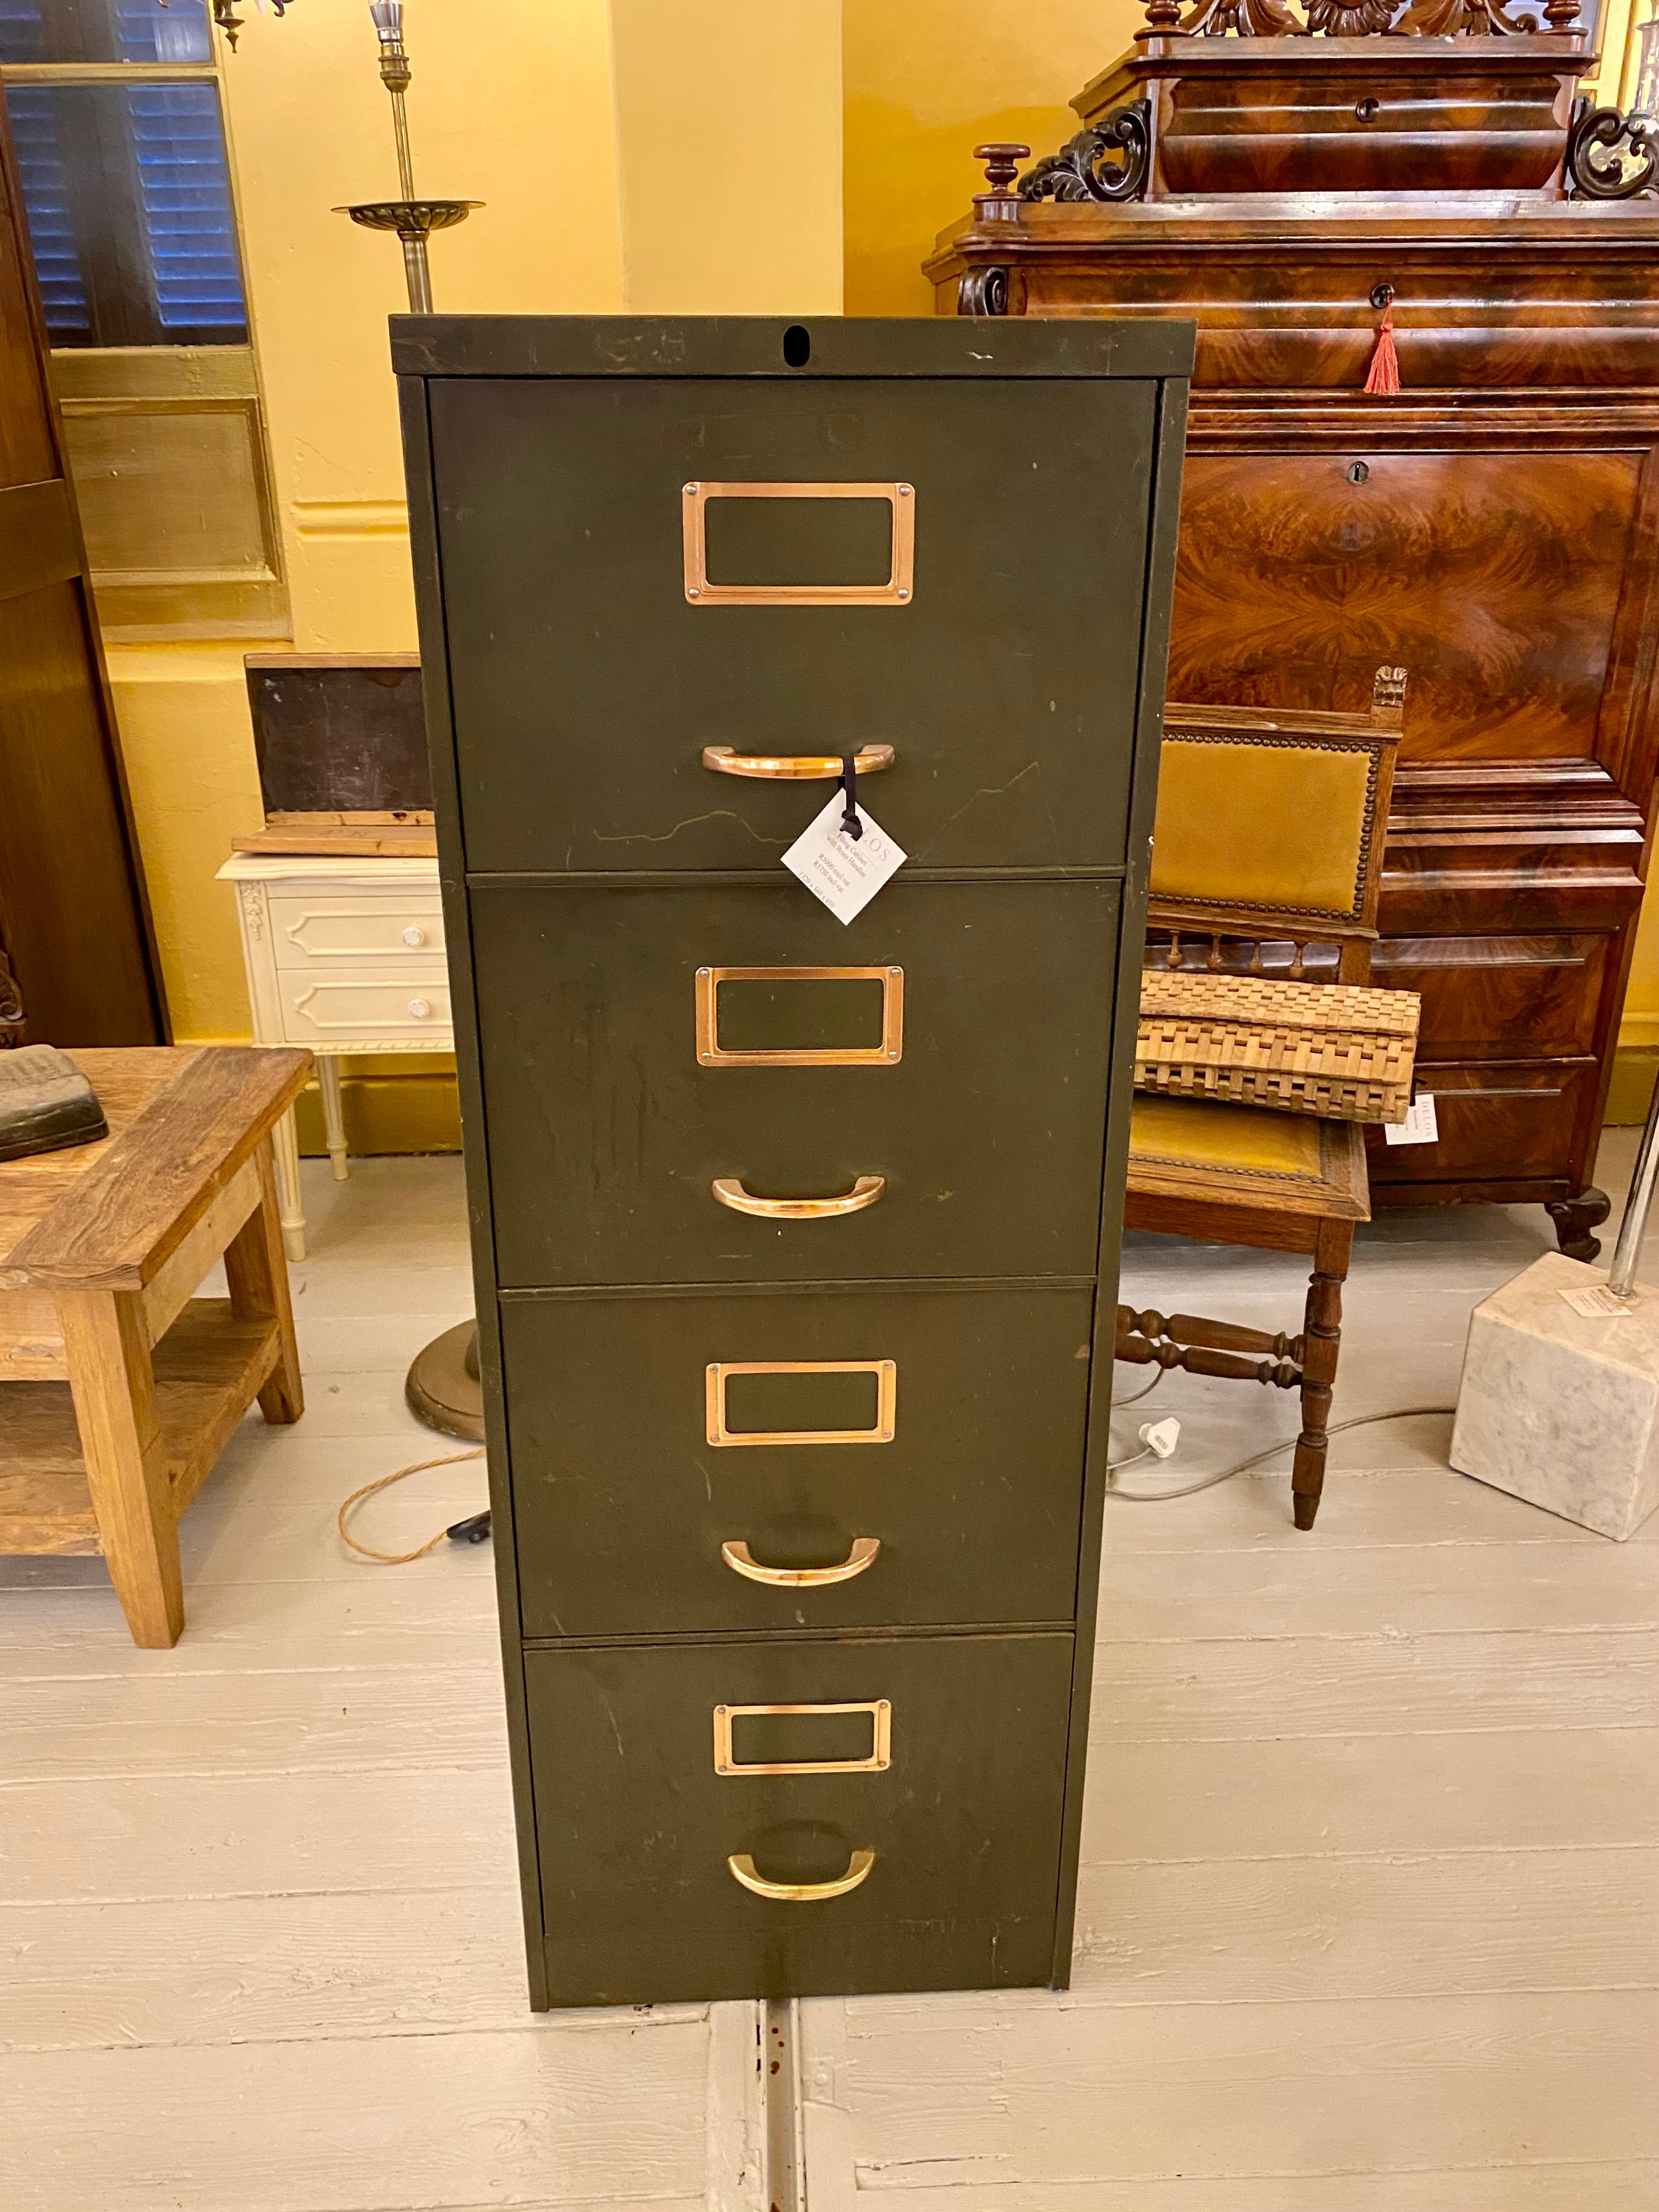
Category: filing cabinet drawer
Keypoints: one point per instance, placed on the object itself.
(941, 1865)
(323, 930)
(367, 1004)
(622, 1503)
(586, 681)
(985, 1125)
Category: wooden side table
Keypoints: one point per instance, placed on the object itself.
(101, 1248)
(343, 956)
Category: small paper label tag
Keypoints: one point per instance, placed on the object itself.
(845, 872)
(1598, 1303)
(1420, 1126)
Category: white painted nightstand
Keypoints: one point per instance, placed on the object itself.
(346, 957)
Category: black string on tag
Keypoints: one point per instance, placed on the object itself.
(850, 825)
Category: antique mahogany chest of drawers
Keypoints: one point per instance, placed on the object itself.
(796, 1241)
(1491, 525)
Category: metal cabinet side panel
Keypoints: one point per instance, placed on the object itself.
(1143, 804)
(452, 875)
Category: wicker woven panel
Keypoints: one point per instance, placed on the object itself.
(1333, 1049)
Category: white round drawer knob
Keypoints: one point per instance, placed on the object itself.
(413, 936)
(420, 1008)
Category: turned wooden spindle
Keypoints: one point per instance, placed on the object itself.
(1162, 20)
(1002, 158)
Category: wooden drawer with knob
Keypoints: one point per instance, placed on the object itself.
(335, 928)
(367, 1003)
(749, 1818)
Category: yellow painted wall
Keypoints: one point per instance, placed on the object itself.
(925, 81)
(509, 106)
(715, 126)
(728, 152)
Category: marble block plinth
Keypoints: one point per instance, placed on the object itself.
(1561, 1409)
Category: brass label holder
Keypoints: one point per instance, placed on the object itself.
(895, 592)
(884, 1371)
(887, 1053)
(880, 1710)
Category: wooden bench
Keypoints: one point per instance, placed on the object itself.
(101, 1247)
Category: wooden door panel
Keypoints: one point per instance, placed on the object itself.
(73, 928)
(67, 899)
(27, 454)
(1489, 997)
(1494, 577)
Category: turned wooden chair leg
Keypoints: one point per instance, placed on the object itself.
(1322, 1340)
(257, 1271)
(106, 1348)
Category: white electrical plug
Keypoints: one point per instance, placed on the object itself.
(1161, 1437)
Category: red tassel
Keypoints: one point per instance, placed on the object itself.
(1383, 381)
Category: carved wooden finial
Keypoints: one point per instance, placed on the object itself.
(1002, 158)
(1562, 14)
(1389, 698)
(1163, 18)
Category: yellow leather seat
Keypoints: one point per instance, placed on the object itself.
(1250, 1155)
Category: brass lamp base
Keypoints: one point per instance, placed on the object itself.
(414, 221)
(410, 218)
(443, 1388)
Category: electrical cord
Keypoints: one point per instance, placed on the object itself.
(1285, 1443)
(462, 1531)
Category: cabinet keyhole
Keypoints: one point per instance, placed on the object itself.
(1357, 473)
(1367, 111)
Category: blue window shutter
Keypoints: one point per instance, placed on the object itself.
(185, 190)
(45, 200)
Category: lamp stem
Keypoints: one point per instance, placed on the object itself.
(416, 276)
(400, 132)
(395, 74)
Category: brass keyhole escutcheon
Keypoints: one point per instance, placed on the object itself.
(1357, 473)
(1367, 111)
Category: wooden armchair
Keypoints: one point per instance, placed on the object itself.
(1267, 860)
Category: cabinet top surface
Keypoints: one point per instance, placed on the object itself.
(753, 345)
(364, 872)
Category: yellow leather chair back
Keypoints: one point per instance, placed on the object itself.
(1282, 823)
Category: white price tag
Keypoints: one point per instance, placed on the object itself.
(1420, 1126)
(1598, 1303)
(845, 872)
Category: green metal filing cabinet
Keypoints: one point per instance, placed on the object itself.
(796, 1242)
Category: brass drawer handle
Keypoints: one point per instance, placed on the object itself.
(729, 1190)
(742, 1561)
(801, 1893)
(795, 768)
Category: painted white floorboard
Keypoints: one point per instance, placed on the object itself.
(610, 2113)
(1368, 1910)
(90, 1840)
(259, 1939)
(1370, 1898)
